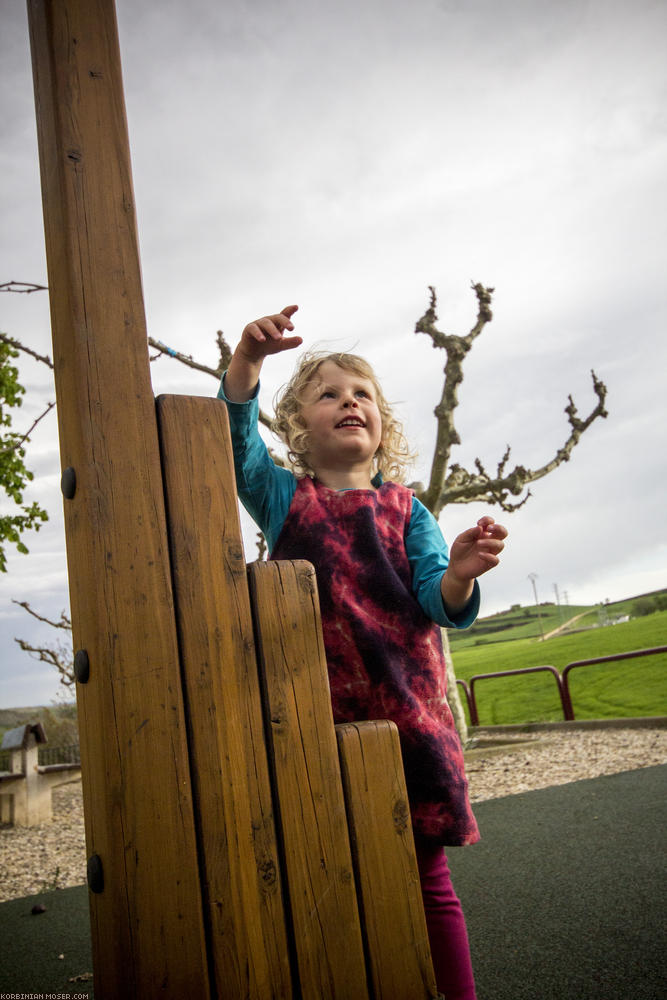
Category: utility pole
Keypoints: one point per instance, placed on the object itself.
(560, 610)
(533, 577)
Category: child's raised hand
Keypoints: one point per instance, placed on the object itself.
(267, 335)
(477, 550)
(259, 339)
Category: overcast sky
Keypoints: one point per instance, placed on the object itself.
(344, 157)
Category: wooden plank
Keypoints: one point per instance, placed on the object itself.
(230, 770)
(393, 919)
(318, 863)
(147, 924)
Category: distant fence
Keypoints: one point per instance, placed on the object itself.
(562, 680)
(47, 755)
(60, 755)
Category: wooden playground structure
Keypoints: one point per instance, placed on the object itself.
(239, 845)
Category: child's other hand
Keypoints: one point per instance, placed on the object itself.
(267, 335)
(477, 550)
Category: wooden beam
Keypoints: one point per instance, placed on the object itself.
(383, 847)
(146, 912)
(302, 742)
(240, 869)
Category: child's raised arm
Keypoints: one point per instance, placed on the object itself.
(260, 338)
(473, 552)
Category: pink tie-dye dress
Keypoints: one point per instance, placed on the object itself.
(384, 654)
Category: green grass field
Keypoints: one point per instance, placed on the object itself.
(622, 689)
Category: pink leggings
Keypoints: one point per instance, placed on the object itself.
(446, 926)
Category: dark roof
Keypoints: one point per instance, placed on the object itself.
(18, 739)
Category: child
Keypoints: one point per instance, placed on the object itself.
(386, 584)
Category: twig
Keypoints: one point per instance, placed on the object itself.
(187, 359)
(58, 658)
(26, 436)
(64, 623)
(465, 487)
(22, 287)
(44, 358)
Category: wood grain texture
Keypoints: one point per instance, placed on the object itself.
(318, 863)
(240, 868)
(393, 919)
(147, 925)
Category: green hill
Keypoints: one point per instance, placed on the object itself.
(535, 621)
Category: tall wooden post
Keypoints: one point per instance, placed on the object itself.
(146, 910)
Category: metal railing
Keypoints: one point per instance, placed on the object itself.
(606, 659)
(562, 680)
(60, 755)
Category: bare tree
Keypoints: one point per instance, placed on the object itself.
(449, 482)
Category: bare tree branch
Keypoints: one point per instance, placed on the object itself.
(452, 483)
(225, 357)
(225, 352)
(261, 545)
(464, 487)
(185, 359)
(456, 349)
(64, 623)
(26, 437)
(44, 358)
(22, 287)
(58, 655)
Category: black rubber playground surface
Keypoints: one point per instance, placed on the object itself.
(564, 898)
(565, 894)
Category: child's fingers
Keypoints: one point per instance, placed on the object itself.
(469, 535)
(288, 343)
(253, 330)
(267, 328)
(272, 326)
(281, 321)
(490, 528)
(491, 546)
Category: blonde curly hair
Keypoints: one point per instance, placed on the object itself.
(393, 456)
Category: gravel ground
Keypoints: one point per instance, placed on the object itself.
(53, 855)
(554, 757)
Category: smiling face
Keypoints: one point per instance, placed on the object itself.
(342, 417)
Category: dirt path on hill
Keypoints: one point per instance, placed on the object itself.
(561, 628)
